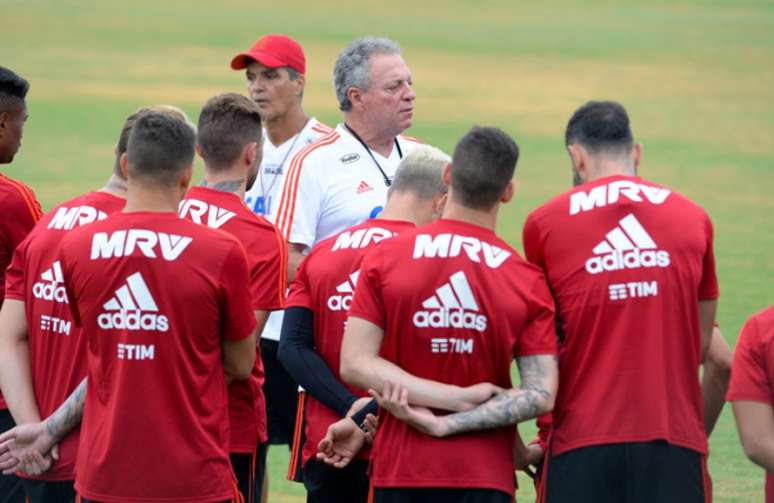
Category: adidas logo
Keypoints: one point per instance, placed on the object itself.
(51, 287)
(363, 187)
(452, 306)
(342, 302)
(628, 246)
(132, 308)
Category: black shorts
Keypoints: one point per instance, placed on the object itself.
(281, 393)
(637, 472)
(249, 470)
(44, 491)
(11, 489)
(326, 484)
(439, 495)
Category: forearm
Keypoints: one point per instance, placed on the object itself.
(68, 415)
(714, 386)
(295, 256)
(16, 380)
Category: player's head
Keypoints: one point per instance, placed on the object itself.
(420, 176)
(126, 129)
(600, 142)
(481, 172)
(229, 135)
(159, 154)
(373, 81)
(13, 113)
(275, 68)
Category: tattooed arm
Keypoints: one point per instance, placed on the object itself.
(534, 397)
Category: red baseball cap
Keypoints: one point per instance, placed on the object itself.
(273, 51)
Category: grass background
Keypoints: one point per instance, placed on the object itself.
(696, 76)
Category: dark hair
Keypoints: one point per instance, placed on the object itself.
(227, 123)
(160, 146)
(13, 90)
(600, 125)
(482, 166)
(126, 129)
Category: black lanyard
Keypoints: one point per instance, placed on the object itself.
(387, 181)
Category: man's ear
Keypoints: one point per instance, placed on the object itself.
(507, 194)
(250, 153)
(580, 160)
(300, 83)
(355, 96)
(122, 163)
(636, 156)
(199, 150)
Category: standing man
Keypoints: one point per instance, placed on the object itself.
(317, 310)
(168, 319)
(275, 68)
(42, 351)
(752, 392)
(229, 141)
(632, 269)
(20, 210)
(452, 302)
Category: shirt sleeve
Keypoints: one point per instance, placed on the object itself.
(367, 302)
(268, 277)
(21, 211)
(300, 294)
(302, 201)
(749, 371)
(238, 319)
(15, 284)
(530, 236)
(538, 335)
(708, 288)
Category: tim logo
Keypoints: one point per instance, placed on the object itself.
(136, 352)
(51, 286)
(55, 325)
(451, 245)
(627, 246)
(132, 308)
(125, 242)
(452, 306)
(633, 290)
(601, 196)
(69, 218)
(451, 345)
(202, 213)
(343, 297)
(361, 238)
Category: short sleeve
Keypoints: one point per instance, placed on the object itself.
(367, 301)
(300, 294)
(708, 288)
(15, 284)
(268, 276)
(302, 201)
(749, 371)
(538, 335)
(238, 320)
(530, 236)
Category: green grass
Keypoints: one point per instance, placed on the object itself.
(696, 77)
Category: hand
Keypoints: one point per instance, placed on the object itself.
(477, 394)
(525, 456)
(29, 448)
(357, 405)
(371, 424)
(394, 399)
(342, 442)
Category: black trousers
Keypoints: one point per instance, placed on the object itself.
(11, 489)
(439, 495)
(326, 484)
(638, 472)
(44, 491)
(281, 393)
(249, 470)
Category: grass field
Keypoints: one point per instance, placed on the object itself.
(697, 78)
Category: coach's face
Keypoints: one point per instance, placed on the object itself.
(11, 131)
(273, 90)
(389, 101)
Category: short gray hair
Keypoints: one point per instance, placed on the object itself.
(421, 172)
(352, 66)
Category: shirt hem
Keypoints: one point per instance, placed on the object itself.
(556, 451)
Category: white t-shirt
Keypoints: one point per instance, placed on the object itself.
(264, 196)
(334, 184)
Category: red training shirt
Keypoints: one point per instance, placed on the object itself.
(456, 304)
(628, 262)
(20, 210)
(156, 295)
(753, 369)
(57, 345)
(324, 283)
(266, 259)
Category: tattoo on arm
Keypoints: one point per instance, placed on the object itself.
(69, 414)
(225, 186)
(510, 407)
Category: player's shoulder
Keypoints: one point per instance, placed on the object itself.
(317, 128)
(763, 321)
(411, 141)
(15, 197)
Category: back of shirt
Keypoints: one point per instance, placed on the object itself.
(20, 210)
(752, 377)
(627, 261)
(57, 346)
(457, 304)
(156, 296)
(266, 259)
(324, 284)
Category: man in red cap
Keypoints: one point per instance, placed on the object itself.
(275, 68)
